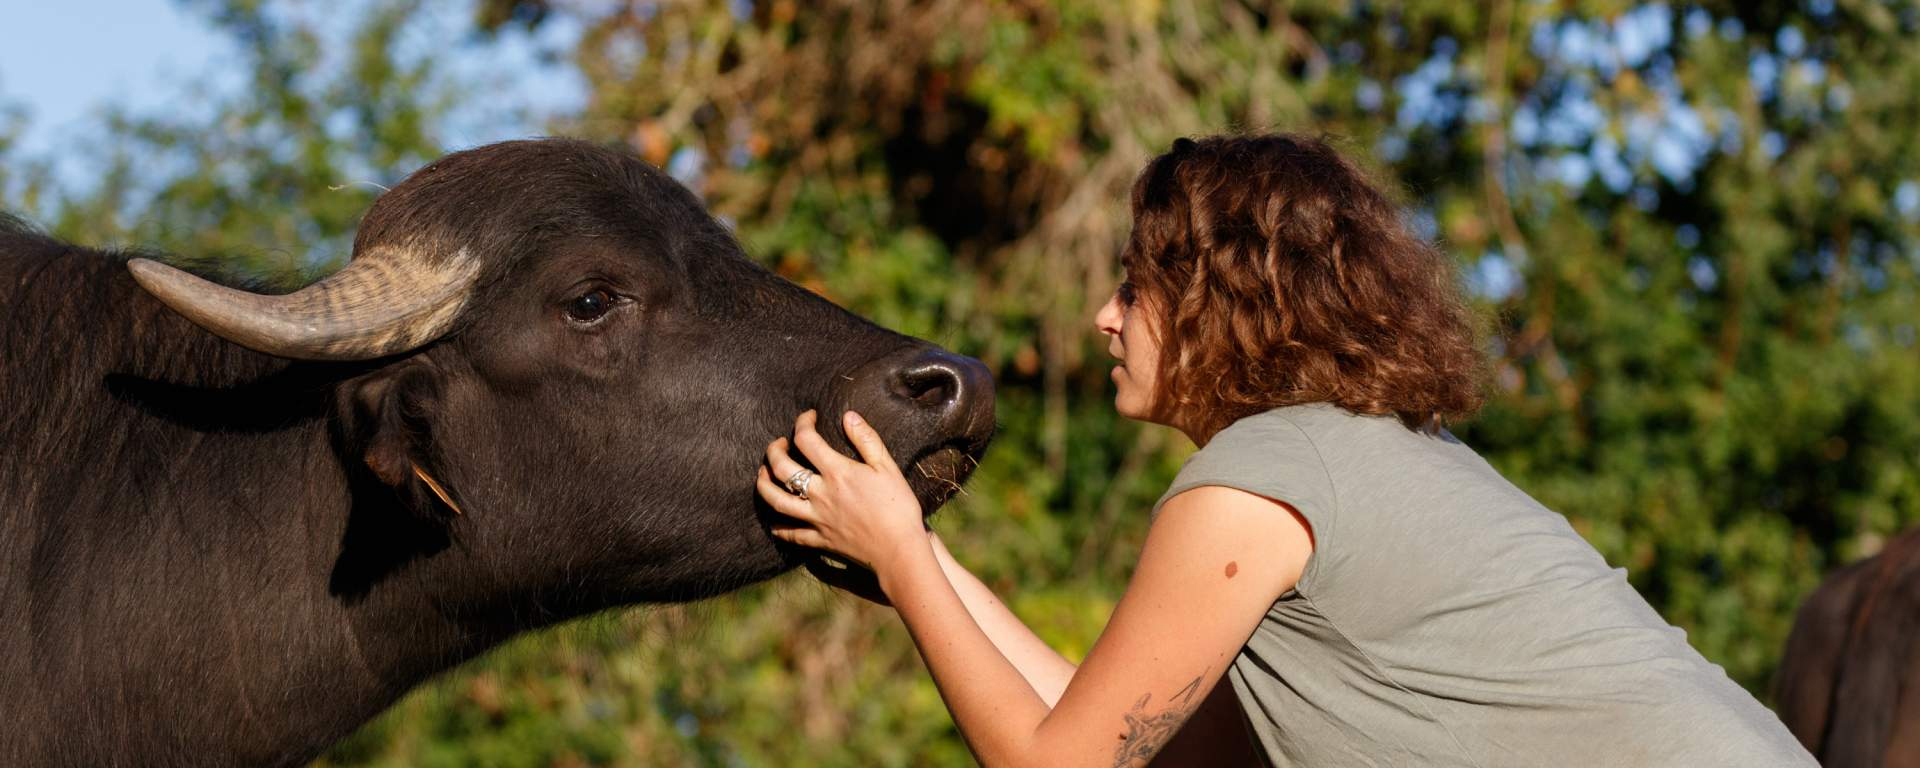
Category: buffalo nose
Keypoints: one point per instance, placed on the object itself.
(952, 386)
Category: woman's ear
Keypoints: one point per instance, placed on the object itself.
(387, 419)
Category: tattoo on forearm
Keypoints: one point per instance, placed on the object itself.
(1147, 732)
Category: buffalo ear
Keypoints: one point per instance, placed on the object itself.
(387, 419)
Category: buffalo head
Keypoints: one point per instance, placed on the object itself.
(552, 352)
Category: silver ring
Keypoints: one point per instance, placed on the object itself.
(797, 484)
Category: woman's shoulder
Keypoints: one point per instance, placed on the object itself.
(1267, 454)
(1344, 439)
(1321, 454)
(1281, 436)
(1322, 428)
(1281, 426)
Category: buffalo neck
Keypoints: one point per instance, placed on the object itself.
(240, 572)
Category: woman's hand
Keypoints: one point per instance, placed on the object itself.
(862, 510)
(861, 583)
(851, 579)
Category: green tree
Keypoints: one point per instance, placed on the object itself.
(1694, 227)
(270, 183)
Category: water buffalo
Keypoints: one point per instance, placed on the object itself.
(234, 526)
(1849, 683)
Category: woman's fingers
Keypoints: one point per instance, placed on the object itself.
(813, 446)
(806, 537)
(782, 500)
(872, 449)
(780, 461)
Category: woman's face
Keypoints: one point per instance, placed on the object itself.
(1133, 341)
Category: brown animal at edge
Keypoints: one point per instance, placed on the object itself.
(1849, 682)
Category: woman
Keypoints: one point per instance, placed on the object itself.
(1374, 591)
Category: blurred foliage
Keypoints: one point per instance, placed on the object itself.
(1696, 228)
(266, 183)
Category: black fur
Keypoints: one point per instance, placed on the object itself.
(217, 557)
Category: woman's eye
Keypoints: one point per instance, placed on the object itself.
(590, 306)
(1125, 293)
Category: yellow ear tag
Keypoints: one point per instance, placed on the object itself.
(434, 486)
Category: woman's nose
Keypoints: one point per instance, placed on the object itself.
(1107, 320)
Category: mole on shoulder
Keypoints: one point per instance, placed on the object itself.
(1233, 567)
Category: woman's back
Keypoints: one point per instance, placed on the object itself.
(1446, 618)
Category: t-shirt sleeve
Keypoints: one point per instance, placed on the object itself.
(1267, 455)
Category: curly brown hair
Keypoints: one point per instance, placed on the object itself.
(1280, 274)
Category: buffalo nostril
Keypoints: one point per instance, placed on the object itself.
(951, 393)
(932, 384)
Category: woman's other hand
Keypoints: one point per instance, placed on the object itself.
(861, 582)
(848, 578)
(860, 509)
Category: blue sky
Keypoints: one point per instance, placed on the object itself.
(64, 61)
(81, 54)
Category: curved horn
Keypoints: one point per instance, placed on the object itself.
(383, 303)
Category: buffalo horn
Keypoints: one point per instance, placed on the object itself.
(383, 303)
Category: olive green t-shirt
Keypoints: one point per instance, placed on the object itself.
(1446, 618)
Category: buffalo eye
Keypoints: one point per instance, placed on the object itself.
(590, 307)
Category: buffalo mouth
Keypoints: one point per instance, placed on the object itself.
(939, 474)
(936, 475)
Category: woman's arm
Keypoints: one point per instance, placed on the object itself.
(1181, 622)
(1216, 734)
(1214, 561)
(1044, 669)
